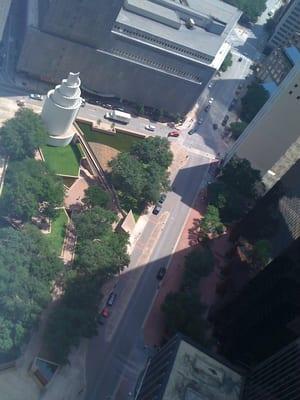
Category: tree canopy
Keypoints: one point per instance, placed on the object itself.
(237, 128)
(95, 196)
(227, 62)
(198, 264)
(22, 135)
(252, 8)
(141, 175)
(211, 222)
(235, 190)
(27, 268)
(255, 97)
(30, 189)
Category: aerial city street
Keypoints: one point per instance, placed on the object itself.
(149, 199)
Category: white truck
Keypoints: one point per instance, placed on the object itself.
(118, 116)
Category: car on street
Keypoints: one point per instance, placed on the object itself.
(200, 121)
(206, 109)
(173, 134)
(156, 209)
(215, 126)
(36, 96)
(232, 104)
(225, 120)
(210, 100)
(240, 59)
(108, 106)
(119, 109)
(162, 198)
(82, 102)
(161, 273)
(105, 312)
(150, 127)
(210, 85)
(191, 131)
(111, 299)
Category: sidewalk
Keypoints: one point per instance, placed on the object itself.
(154, 325)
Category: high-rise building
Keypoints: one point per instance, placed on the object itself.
(265, 315)
(288, 26)
(4, 10)
(276, 378)
(271, 142)
(60, 109)
(182, 370)
(159, 53)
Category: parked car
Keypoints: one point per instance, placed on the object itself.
(215, 126)
(36, 96)
(210, 85)
(173, 134)
(161, 273)
(20, 103)
(108, 106)
(225, 120)
(200, 121)
(210, 100)
(105, 312)
(206, 109)
(156, 209)
(162, 198)
(150, 127)
(240, 59)
(191, 131)
(111, 299)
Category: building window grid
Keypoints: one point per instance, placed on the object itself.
(160, 42)
(164, 67)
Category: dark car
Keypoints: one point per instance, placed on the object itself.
(156, 209)
(206, 109)
(162, 198)
(191, 131)
(111, 299)
(161, 273)
(225, 120)
(240, 59)
(108, 106)
(215, 126)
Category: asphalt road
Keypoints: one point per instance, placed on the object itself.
(118, 357)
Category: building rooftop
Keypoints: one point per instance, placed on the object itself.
(197, 376)
(166, 20)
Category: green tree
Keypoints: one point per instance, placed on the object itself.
(30, 189)
(95, 196)
(211, 223)
(153, 149)
(198, 264)
(22, 135)
(227, 62)
(27, 268)
(262, 250)
(104, 257)
(93, 223)
(253, 101)
(252, 9)
(237, 128)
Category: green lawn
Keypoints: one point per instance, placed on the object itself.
(63, 160)
(58, 229)
(119, 141)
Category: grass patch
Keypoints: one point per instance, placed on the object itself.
(119, 141)
(58, 230)
(63, 160)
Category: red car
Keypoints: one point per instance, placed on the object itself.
(173, 134)
(105, 312)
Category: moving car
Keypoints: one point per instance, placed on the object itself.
(118, 116)
(161, 273)
(150, 127)
(36, 96)
(111, 299)
(108, 106)
(156, 209)
(173, 134)
(162, 198)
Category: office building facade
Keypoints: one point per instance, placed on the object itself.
(271, 141)
(159, 53)
(288, 26)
